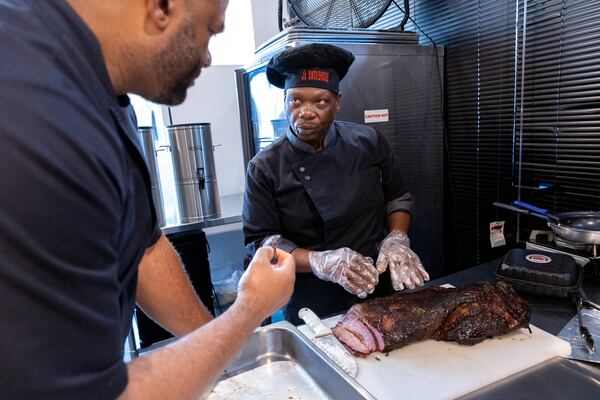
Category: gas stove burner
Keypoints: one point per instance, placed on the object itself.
(549, 239)
(542, 237)
(546, 240)
(568, 244)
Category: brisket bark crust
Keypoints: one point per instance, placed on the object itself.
(467, 315)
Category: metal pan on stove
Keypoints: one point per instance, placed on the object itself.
(577, 226)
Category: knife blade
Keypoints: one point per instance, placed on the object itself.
(584, 333)
(328, 343)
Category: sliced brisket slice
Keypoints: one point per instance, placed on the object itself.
(467, 315)
(358, 336)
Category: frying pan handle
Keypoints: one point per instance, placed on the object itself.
(519, 210)
(531, 207)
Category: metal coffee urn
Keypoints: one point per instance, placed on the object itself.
(192, 153)
(146, 134)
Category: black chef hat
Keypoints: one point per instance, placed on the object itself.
(312, 65)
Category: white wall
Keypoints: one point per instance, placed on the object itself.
(235, 45)
(264, 18)
(213, 99)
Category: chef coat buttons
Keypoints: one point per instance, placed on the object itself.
(302, 170)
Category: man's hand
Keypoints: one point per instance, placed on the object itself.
(405, 266)
(265, 288)
(344, 266)
(188, 367)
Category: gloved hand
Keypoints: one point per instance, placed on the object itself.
(344, 266)
(405, 266)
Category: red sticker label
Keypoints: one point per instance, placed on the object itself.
(538, 258)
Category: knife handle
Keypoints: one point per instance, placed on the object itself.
(314, 322)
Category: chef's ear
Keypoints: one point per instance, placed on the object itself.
(159, 12)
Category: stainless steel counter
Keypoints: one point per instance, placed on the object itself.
(295, 369)
(231, 212)
(556, 379)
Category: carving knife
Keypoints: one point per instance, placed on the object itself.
(328, 343)
(584, 333)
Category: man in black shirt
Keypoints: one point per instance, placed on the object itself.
(79, 240)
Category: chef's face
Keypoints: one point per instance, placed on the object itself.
(178, 63)
(310, 113)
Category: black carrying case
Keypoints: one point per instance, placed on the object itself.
(540, 272)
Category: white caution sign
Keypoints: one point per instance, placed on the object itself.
(377, 116)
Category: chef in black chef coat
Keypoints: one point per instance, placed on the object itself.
(332, 190)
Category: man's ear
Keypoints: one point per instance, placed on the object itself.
(339, 103)
(159, 12)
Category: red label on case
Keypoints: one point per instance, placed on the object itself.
(538, 258)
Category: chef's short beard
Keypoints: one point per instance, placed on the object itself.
(176, 66)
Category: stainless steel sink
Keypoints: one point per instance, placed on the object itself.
(283, 342)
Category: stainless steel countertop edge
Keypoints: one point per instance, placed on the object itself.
(231, 212)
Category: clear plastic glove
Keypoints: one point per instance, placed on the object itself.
(405, 266)
(346, 267)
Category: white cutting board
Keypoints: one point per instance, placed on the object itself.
(447, 370)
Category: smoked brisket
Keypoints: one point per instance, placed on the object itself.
(467, 315)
